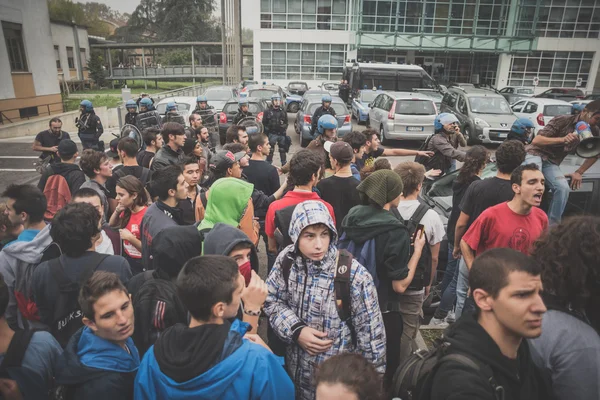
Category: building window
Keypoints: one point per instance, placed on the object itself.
(564, 19)
(57, 57)
(552, 68)
(304, 14)
(83, 58)
(70, 58)
(306, 61)
(13, 35)
(28, 112)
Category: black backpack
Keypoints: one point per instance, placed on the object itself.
(119, 173)
(424, 159)
(423, 272)
(283, 218)
(414, 377)
(156, 307)
(67, 311)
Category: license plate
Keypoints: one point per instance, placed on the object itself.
(414, 128)
(503, 135)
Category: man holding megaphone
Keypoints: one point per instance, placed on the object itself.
(565, 134)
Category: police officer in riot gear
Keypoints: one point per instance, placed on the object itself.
(275, 122)
(148, 117)
(89, 127)
(172, 115)
(242, 111)
(132, 113)
(522, 130)
(319, 112)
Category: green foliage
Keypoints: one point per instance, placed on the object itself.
(92, 15)
(97, 74)
(72, 104)
(176, 57)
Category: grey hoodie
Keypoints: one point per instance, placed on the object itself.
(17, 262)
(222, 238)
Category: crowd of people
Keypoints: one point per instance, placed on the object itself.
(134, 273)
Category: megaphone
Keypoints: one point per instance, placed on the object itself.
(590, 144)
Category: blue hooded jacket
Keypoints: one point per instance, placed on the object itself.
(239, 369)
(94, 368)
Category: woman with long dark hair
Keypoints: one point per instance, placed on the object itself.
(132, 205)
(475, 161)
(569, 347)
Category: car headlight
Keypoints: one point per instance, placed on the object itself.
(481, 123)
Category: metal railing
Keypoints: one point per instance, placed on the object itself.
(4, 117)
(167, 71)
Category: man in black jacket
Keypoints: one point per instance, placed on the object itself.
(319, 112)
(242, 111)
(67, 151)
(90, 127)
(506, 287)
(171, 153)
(276, 124)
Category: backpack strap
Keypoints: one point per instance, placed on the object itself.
(286, 268)
(419, 213)
(203, 199)
(16, 351)
(483, 369)
(145, 174)
(58, 272)
(341, 283)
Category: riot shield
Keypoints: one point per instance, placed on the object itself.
(133, 132)
(252, 125)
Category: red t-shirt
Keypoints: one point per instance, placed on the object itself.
(499, 226)
(134, 227)
(290, 199)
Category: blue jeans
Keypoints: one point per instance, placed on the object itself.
(462, 287)
(555, 181)
(448, 286)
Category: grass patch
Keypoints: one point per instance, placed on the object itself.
(97, 101)
(430, 335)
(137, 86)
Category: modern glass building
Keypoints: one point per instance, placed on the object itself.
(500, 42)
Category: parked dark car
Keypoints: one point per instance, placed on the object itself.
(265, 92)
(565, 94)
(297, 87)
(255, 105)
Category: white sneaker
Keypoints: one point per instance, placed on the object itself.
(451, 317)
(435, 324)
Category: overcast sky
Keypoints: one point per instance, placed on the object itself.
(128, 6)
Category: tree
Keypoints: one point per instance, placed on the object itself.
(96, 68)
(94, 16)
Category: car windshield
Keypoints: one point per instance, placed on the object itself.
(181, 107)
(594, 96)
(331, 86)
(525, 91)
(262, 93)
(368, 96)
(489, 105)
(218, 95)
(415, 107)
(232, 108)
(554, 110)
(298, 86)
(339, 108)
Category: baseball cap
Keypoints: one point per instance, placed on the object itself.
(66, 148)
(341, 151)
(114, 151)
(224, 159)
(189, 145)
(448, 118)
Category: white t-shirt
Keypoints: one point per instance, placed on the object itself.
(106, 246)
(434, 227)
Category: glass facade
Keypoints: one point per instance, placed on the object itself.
(304, 14)
(461, 17)
(306, 61)
(560, 18)
(553, 68)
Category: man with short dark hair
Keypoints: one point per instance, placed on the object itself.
(75, 230)
(211, 358)
(480, 196)
(193, 130)
(67, 167)
(34, 374)
(8, 230)
(169, 185)
(236, 134)
(153, 141)
(101, 360)
(191, 174)
(356, 140)
(47, 141)
(26, 205)
(506, 286)
(96, 166)
(109, 241)
(171, 153)
(374, 150)
(305, 169)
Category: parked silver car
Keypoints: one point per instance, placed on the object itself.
(484, 115)
(513, 94)
(402, 116)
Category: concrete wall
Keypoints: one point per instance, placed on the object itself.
(32, 127)
(63, 37)
(33, 15)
